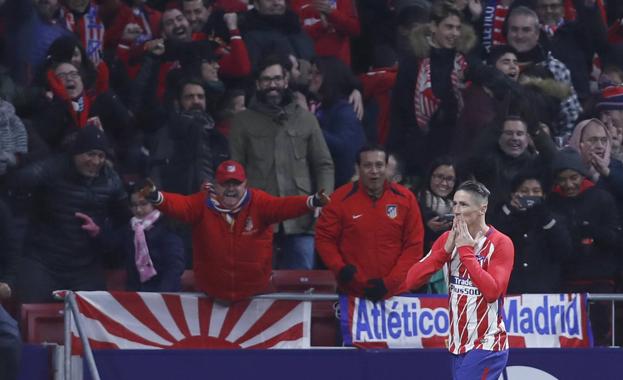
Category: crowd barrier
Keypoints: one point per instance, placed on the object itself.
(71, 309)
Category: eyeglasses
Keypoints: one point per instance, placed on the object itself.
(442, 178)
(267, 80)
(73, 75)
(595, 139)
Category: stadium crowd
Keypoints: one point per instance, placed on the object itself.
(96, 96)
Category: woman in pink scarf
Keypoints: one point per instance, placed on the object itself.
(592, 140)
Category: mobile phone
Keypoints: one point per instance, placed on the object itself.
(529, 201)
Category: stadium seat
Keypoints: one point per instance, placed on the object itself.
(318, 281)
(42, 322)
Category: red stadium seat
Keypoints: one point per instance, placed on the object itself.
(320, 281)
(42, 322)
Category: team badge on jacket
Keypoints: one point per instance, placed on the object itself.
(248, 225)
(392, 211)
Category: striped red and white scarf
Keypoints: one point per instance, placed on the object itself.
(425, 101)
(142, 259)
(90, 29)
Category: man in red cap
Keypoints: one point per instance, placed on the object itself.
(232, 230)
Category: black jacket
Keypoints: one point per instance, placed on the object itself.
(55, 237)
(167, 255)
(8, 246)
(594, 227)
(542, 245)
(186, 152)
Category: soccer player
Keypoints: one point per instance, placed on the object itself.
(479, 260)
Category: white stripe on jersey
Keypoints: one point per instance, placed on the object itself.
(469, 310)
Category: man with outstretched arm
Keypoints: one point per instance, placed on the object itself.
(232, 230)
(479, 261)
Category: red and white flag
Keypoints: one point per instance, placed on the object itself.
(128, 320)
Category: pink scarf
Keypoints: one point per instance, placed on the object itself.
(425, 101)
(143, 262)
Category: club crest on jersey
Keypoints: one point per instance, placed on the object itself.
(248, 225)
(392, 211)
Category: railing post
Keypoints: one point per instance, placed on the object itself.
(88, 354)
(613, 324)
(67, 333)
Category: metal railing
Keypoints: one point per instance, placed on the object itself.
(71, 311)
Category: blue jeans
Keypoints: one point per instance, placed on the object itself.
(294, 251)
(10, 346)
(479, 364)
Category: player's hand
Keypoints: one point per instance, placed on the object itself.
(451, 240)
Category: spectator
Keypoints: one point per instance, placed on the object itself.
(594, 227)
(82, 18)
(187, 150)
(284, 152)
(271, 28)
(610, 108)
(329, 88)
(197, 13)
(80, 196)
(541, 238)
(69, 49)
(523, 35)
(232, 230)
(593, 142)
(154, 255)
(371, 233)
(68, 107)
(492, 87)
(574, 42)
(36, 27)
(10, 341)
(131, 22)
(502, 153)
(13, 137)
(439, 72)
(330, 24)
(436, 203)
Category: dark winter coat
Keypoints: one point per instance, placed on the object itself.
(542, 246)
(55, 237)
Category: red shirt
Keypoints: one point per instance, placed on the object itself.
(233, 261)
(382, 237)
(334, 38)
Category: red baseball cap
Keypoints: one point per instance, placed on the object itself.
(229, 170)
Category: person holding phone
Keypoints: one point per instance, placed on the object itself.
(435, 199)
(542, 240)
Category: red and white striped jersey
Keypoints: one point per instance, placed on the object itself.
(478, 278)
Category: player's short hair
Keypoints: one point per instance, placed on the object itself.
(477, 189)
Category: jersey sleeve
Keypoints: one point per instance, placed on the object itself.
(421, 271)
(493, 281)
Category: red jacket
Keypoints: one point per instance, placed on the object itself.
(232, 262)
(333, 39)
(377, 86)
(382, 238)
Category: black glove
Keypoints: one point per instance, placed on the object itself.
(376, 290)
(346, 274)
(149, 191)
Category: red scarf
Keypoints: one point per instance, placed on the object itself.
(78, 108)
(585, 185)
(425, 101)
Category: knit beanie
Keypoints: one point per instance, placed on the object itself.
(90, 138)
(611, 99)
(569, 158)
